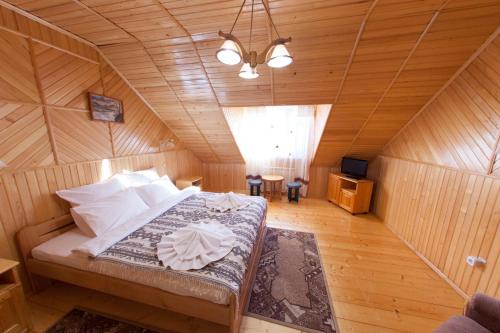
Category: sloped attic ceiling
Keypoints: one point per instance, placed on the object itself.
(378, 62)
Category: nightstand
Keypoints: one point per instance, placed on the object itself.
(14, 313)
(182, 183)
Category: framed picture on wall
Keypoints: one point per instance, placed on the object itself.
(106, 108)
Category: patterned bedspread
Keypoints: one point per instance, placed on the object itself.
(139, 248)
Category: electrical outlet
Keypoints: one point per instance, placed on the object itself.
(475, 261)
(2, 165)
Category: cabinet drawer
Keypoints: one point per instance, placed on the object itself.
(10, 320)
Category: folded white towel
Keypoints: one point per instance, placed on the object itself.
(195, 246)
(226, 201)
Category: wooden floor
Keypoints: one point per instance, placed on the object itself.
(376, 283)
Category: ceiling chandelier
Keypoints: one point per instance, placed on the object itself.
(232, 51)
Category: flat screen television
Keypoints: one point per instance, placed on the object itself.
(354, 167)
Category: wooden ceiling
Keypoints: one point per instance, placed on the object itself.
(377, 61)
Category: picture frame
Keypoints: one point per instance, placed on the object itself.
(103, 108)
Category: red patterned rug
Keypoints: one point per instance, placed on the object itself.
(81, 321)
(289, 286)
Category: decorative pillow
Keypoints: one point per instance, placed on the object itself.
(97, 217)
(89, 193)
(157, 191)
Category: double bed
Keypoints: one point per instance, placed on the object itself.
(124, 263)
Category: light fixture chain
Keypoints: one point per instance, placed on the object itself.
(251, 29)
(237, 16)
(268, 12)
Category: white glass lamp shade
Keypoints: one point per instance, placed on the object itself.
(279, 57)
(247, 72)
(229, 53)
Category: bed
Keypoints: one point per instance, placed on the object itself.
(125, 263)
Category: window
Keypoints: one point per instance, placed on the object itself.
(276, 139)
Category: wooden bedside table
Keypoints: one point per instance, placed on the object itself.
(182, 183)
(14, 312)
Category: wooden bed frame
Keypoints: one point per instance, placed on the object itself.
(41, 272)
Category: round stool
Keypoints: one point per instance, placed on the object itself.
(255, 184)
(293, 191)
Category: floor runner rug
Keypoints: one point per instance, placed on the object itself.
(289, 287)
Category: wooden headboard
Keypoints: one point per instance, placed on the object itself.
(32, 236)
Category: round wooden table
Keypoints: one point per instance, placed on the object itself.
(272, 186)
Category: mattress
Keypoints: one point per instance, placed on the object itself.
(59, 250)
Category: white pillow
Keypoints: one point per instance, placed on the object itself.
(95, 218)
(132, 179)
(88, 193)
(152, 174)
(157, 191)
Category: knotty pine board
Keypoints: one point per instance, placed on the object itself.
(445, 214)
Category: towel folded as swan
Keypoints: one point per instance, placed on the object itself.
(227, 202)
(195, 246)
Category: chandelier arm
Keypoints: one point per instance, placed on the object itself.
(268, 12)
(261, 58)
(237, 16)
(244, 54)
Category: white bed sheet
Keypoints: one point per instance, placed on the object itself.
(58, 250)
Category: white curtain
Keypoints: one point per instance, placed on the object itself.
(276, 140)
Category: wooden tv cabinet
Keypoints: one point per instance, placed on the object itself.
(354, 195)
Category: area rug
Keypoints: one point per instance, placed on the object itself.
(79, 321)
(289, 286)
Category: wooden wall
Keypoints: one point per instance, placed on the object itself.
(224, 177)
(47, 139)
(438, 185)
(45, 77)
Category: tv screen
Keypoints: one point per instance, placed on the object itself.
(354, 167)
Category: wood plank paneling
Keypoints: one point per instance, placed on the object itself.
(461, 127)
(142, 130)
(378, 61)
(434, 189)
(28, 197)
(220, 177)
(78, 138)
(65, 80)
(17, 77)
(24, 141)
(44, 111)
(406, 53)
(445, 215)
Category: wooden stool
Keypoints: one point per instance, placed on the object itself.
(294, 188)
(272, 185)
(255, 184)
(293, 191)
